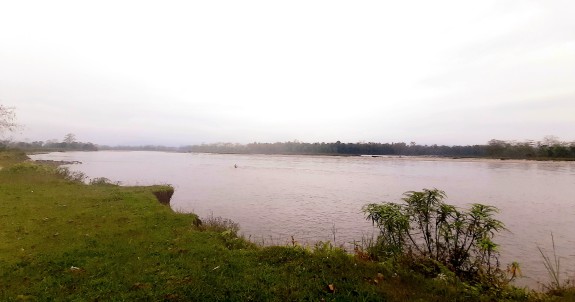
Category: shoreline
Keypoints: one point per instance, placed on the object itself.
(537, 159)
(74, 233)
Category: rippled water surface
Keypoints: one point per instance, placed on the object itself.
(320, 197)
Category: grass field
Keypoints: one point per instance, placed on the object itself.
(62, 240)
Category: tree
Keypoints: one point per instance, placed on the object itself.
(7, 119)
(551, 140)
(70, 138)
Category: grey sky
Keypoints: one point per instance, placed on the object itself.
(185, 72)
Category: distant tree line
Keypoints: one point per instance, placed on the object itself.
(141, 148)
(548, 148)
(339, 148)
(49, 146)
(69, 143)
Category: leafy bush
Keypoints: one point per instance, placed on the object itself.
(29, 167)
(69, 175)
(425, 226)
(100, 181)
(556, 286)
(62, 172)
(220, 225)
(7, 154)
(227, 231)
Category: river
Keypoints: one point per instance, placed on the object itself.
(313, 198)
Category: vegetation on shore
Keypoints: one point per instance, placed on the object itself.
(426, 228)
(550, 148)
(69, 143)
(62, 239)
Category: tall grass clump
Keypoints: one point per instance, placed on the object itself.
(69, 175)
(425, 229)
(227, 231)
(26, 167)
(102, 181)
(11, 156)
(61, 172)
(556, 285)
(219, 224)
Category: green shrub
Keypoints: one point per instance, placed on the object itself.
(102, 181)
(556, 286)
(426, 227)
(7, 155)
(69, 175)
(220, 225)
(62, 172)
(24, 167)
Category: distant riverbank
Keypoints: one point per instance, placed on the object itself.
(549, 148)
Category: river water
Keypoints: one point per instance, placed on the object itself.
(313, 198)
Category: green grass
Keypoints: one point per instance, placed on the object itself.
(62, 240)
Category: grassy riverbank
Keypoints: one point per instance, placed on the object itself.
(63, 240)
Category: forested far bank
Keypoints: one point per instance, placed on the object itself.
(339, 148)
(548, 148)
(48, 146)
(68, 143)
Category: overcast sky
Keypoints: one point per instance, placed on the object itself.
(186, 72)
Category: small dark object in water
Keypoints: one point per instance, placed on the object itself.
(235, 166)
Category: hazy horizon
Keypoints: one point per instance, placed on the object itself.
(183, 73)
